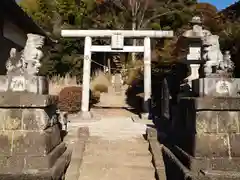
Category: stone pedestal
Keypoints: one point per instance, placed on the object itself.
(216, 86)
(27, 83)
(207, 136)
(31, 145)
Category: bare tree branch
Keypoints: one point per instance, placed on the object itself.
(157, 16)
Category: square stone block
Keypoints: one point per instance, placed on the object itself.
(217, 122)
(211, 145)
(212, 86)
(228, 122)
(34, 84)
(6, 143)
(26, 100)
(28, 118)
(234, 140)
(197, 164)
(224, 164)
(45, 162)
(206, 122)
(39, 118)
(35, 143)
(10, 164)
(211, 103)
(11, 119)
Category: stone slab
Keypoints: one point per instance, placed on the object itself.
(217, 122)
(20, 163)
(27, 118)
(34, 84)
(44, 162)
(55, 173)
(211, 103)
(35, 143)
(25, 100)
(197, 164)
(216, 87)
(78, 148)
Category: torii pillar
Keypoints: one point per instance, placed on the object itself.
(117, 46)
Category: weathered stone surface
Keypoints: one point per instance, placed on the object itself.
(27, 118)
(234, 140)
(197, 164)
(217, 122)
(6, 142)
(224, 164)
(228, 122)
(38, 119)
(77, 147)
(11, 119)
(24, 176)
(211, 145)
(24, 100)
(220, 163)
(212, 103)
(45, 162)
(35, 143)
(35, 84)
(206, 122)
(9, 164)
(207, 86)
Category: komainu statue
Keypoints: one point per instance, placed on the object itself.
(211, 53)
(14, 63)
(28, 60)
(32, 54)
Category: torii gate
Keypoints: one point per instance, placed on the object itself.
(117, 45)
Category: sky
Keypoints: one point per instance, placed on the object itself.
(220, 4)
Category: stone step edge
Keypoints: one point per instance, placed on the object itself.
(78, 148)
(155, 148)
(146, 167)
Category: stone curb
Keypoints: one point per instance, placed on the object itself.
(157, 157)
(78, 147)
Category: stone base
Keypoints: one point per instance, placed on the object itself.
(56, 172)
(204, 143)
(216, 87)
(86, 115)
(17, 83)
(183, 172)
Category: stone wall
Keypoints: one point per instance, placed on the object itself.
(206, 135)
(30, 136)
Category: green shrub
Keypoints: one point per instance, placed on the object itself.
(70, 99)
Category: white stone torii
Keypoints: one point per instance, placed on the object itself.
(117, 46)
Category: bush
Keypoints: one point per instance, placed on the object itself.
(100, 82)
(57, 83)
(70, 99)
(102, 88)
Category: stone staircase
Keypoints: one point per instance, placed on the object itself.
(122, 159)
(116, 149)
(114, 98)
(117, 62)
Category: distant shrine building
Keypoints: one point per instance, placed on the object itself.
(15, 24)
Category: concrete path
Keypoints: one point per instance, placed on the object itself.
(116, 149)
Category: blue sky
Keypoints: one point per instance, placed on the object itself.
(220, 4)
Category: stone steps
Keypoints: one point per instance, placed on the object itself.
(117, 159)
(116, 173)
